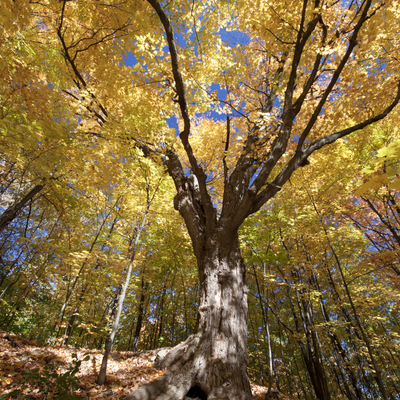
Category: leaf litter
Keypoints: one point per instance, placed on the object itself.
(125, 371)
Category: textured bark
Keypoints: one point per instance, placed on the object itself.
(213, 358)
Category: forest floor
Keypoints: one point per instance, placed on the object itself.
(29, 370)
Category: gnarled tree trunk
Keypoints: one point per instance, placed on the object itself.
(213, 358)
(212, 361)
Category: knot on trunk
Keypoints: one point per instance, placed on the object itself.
(225, 277)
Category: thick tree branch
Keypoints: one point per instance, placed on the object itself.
(180, 88)
(251, 200)
(317, 144)
(310, 81)
(289, 112)
(12, 212)
(184, 135)
(184, 201)
(228, 134)
(335, 76)
(300, 157)
(247, 166)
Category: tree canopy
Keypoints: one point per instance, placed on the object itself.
(220, 177)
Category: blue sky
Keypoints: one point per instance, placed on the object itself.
(232, 38)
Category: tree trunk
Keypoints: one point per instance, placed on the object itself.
(120, 298)
(160, 319)
(12, 212)
(70, 325)
(140, 316)
(213, 358)
(265, 315)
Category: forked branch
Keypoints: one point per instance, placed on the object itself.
(300, 157)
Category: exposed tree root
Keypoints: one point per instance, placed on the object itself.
(193, 373)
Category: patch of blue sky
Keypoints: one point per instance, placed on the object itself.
(130, 60)
(234, 38)
(231, 37)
